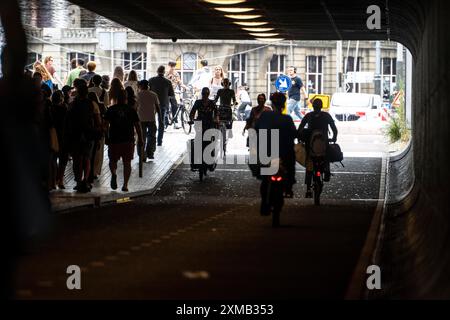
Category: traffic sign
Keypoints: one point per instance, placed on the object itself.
(283, 83)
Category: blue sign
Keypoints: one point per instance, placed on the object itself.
(283, 83)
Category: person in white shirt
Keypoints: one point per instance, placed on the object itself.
(201, 78)
(245, 101)
(148, 107)
(132, 81)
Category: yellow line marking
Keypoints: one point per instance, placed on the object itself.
(111, 258)
(98, 264)
(24, 293)
(193, 275)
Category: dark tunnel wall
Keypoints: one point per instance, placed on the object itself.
(415, 251)
(415, 246)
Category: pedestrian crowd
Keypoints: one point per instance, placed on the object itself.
(92, 110)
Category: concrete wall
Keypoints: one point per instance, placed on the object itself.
(416, 243)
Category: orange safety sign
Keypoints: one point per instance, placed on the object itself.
(397, 99)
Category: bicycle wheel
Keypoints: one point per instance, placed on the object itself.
(184, 122)
(201, 173)
(223, 130)
(317, 190)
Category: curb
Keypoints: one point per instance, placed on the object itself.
(97, 201)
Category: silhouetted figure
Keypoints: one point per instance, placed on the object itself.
(122, 121)
(81, 126)
(163, 88)
(316, 120)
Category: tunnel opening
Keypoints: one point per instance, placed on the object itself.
(415, 223)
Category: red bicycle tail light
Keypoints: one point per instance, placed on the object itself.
(318, 174)
(276, 178)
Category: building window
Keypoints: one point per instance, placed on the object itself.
(78, 55)
(388, 76)
(314, 74)
(350, 66)
(32, 57)
(237, 70)
(187, 63)
(136, 61)
(275, 68)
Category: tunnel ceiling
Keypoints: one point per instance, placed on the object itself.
(293, 20)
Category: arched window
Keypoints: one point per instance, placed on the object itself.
(187, 63)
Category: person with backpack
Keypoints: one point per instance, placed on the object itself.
(276, 121)
(315, 136)
(122, 122)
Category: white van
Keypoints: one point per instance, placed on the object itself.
(355, 106)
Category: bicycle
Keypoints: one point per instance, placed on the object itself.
(319, 171)
(182, 113)
(202, 167)
(272, 189)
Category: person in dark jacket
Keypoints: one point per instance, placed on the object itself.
(163, 88)
(59, 113)
(81, 131)
(316, 120)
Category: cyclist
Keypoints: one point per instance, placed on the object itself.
(315, 120)
(206, 111)
(287, 134)
(226, 96)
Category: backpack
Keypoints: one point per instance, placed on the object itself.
(318, 144)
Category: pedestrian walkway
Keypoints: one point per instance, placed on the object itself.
(154, 172)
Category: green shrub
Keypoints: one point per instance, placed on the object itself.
(397, 128)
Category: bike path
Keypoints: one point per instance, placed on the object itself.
(206, 240)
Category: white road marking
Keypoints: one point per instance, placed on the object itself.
(354, 290)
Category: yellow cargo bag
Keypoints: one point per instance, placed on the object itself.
(300, 154)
